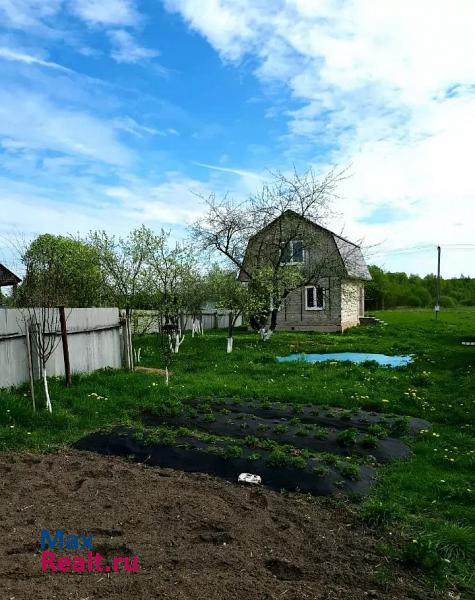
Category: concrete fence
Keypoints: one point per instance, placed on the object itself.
(147, 321)
(94, 339)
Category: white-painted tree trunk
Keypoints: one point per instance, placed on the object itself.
(45, 383)
(265, 334)
(195, 327)
(167, 377)
(230, 345)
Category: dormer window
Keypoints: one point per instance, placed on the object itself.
(293, 252)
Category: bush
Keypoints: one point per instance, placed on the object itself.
(447, 302)
(232, 452)
(349, 470)
(321, 471)
(347, 437)
(369, 441)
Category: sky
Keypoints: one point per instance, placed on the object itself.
(115, 113)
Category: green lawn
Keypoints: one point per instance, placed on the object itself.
(429, 499)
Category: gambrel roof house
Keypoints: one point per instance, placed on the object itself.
(332, 297)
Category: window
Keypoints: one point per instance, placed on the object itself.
(293, 252)
(314, 298)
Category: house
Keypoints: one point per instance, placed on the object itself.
(7, 278)
(332, 269)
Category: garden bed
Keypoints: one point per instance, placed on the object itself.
(338, 418)
(279, 467)
(309, 436)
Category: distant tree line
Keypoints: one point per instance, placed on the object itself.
(390, 290)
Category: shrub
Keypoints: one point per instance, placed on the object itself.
(280, 429)
(254, 456)
(320, 433)
(277, 459)
(447, 302)
(399, 426)
(348, 437)
(369, 441)
(349, 470)
(321, 471)
(377, 430)
(208, 418)
(297, 462)
(232, 452)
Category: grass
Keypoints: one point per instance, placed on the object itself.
(429, 499)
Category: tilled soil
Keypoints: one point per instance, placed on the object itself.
(196, 538)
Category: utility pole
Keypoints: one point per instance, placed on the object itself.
(437, 301)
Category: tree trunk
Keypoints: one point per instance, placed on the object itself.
(273, 319)
(45, 384)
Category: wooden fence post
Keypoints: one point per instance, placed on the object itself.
(64, 339)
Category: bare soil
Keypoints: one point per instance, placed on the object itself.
(197, 538)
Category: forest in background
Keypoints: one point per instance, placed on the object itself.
(390, 290)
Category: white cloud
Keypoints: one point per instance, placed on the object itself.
(32, 121)
(384, 86)
(23, 57)
(106, 12)
(28, 13)
(126, 50)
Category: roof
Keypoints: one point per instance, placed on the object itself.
(7, 277)
(352, 258)
(350, 253)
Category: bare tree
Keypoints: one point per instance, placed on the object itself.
(268, 237)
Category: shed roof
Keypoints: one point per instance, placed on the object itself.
(7, 277)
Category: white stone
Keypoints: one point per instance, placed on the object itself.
(249, 478)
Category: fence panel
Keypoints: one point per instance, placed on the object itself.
(94, 339)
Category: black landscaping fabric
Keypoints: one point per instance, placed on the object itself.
(309, 413)
(193, 455)
(232, 425)
(293, 432)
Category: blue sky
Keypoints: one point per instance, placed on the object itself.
(118, 112)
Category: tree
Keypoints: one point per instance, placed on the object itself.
(170, 273)
(62, 271)
(230, 294)
(228, 228)
(123, 263)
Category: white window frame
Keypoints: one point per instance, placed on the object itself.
(314, 287)
(291, 248)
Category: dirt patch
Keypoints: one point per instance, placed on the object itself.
(151, 371)
(197, 538)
